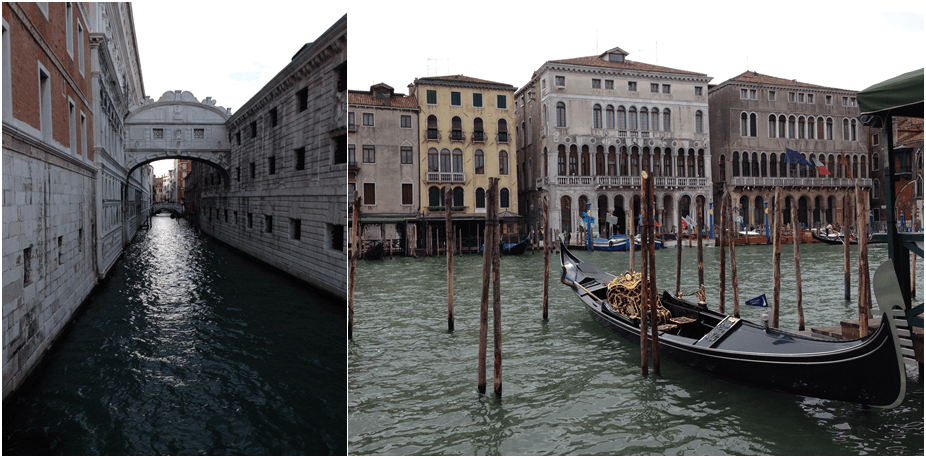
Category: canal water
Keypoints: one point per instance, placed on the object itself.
(189, 348)
(572, 387)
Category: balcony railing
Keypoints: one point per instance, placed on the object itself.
(457, 135)
(445, 177)
(432, 134)
(799, 182)
(627, 181)
(479, 136)
(502, 137)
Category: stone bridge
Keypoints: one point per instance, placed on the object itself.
(178, 126)
(175, 208)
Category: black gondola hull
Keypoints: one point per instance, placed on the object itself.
(867, 370)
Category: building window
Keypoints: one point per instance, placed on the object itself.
(559, 80)
(699, 90)
(621, 117)
(268, 223)
(300, 158)
(406, 121)
(369, 154)
(560, 114)
(272, 165)
(633, 118)
(743, 93)
(596, 83)
(809, 98)
(252, 170)
(644, 119)
(791, 97)
(504, 200)
(455, 99)
(83, 134)
(596, 116)
(431, 96)
(295, 228)
(829, 129)
(369, 194)
(477, 100)
(302, 99)
(501, 102)
(875, 139)
(655, 118)
(609, 84)
(237, 137)
(667, 89)
(45, 104)
(72, 128)
(480, 161)
(502, 131)
(699, 122)
(367, 119)
(800, 98)
(654, 87)
(875, 162)
(480, 199)
(631, 85)
(273, 117)
(253, 129)
(457, 160)
(503, 162)
(7, 74)
(609, 116)
(828, 99)
(406, 155)
(771, 96)
(80, 48)
(407, 194)
(69, 28)
(666, 120)
(250, 220)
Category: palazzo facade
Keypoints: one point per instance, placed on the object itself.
(587, 127)
(760, 117)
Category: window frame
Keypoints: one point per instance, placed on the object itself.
(405, 121)
(369, 154)
(430, 94)
(480, 104)
(371, 117)
(458, 95)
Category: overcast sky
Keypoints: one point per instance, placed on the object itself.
(229, 51)
(838, 44)
(224, 50)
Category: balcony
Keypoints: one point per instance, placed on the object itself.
(479, 136)
(352, 127)
(456, 135)
(445, 177)
(432, 134)
(502, 137)
(799, 182)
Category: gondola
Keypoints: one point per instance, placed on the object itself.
(511, 248)
(616, 242)
(867, 371)
(833, 239)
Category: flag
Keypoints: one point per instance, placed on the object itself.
(795, 157)
(611, 219)
(821, 169)
(758, 301)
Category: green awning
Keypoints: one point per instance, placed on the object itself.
(902, 95)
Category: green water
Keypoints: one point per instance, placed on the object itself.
(572, 387)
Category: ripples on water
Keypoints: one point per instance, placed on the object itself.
(189, 348)
(572, 387)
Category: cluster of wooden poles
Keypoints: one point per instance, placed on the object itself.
(491, 267)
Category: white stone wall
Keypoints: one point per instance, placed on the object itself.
(48, 214)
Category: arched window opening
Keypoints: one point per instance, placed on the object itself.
(612, 161)
(502, 130)
(666, 120)
(753, 125)
(633, 119)
(480, 199)
(771, 127)
(560, 114)
(621, 117)
(644, 119)
(445, 160)
(586, 161)
(503, 162)
(432, 133)
(478, 131)
(561, 161)
(699, 122)
(457, 160)
(596, 116)
(743, 124)
(736, 164)
(456, 128)
(433, 160)
(458, 197)
(609, 112)
(479, 158)
(573, 160)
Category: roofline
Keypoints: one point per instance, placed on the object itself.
(463, 84)
(590, 68)
(812, 87)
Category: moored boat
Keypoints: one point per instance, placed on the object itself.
(739, 350)
(616, 242)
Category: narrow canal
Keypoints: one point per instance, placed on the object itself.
(572, 387)
(189, 348)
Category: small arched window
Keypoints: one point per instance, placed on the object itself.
(445, 160)
(655, 118)
(503, 162)
(633, 119)
(743, 124)
(432, 133)
(502, 130)
(561, 161)
(621, 117)
(644, 119)
(596, 116)
(560, 114)
(504, 199)
(480, 199)
(458, 197)
(457, 160)
(666, 120)
(771, 127)
(753, 125)
(433, 161)
(479, 158)
(699, 122)
(478, 131)
(456, 128)
(435, 197)
(609, 115)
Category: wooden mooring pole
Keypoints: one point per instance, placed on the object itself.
(700, 221)
(632, 241)
(734, 281)
(845, 242)
(797, 266)
(722, 235)
(490, 223)
(776, 259)
(448, 232)
(678, 256)
(546, 257)
(864, 282)
(649, 273)
(354, 255)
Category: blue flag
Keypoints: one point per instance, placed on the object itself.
(795, 157)
(758, 301)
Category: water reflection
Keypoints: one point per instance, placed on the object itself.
(189, 348)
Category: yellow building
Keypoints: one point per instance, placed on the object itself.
(466, 128)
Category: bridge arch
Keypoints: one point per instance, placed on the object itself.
(178, 126)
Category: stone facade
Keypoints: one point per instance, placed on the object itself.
(465, 136)
(283, 198)
(908, 132)
(759, 117)
(589, 125)
(68, 208)
(384, 162)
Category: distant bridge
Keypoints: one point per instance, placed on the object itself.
(174, 208)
